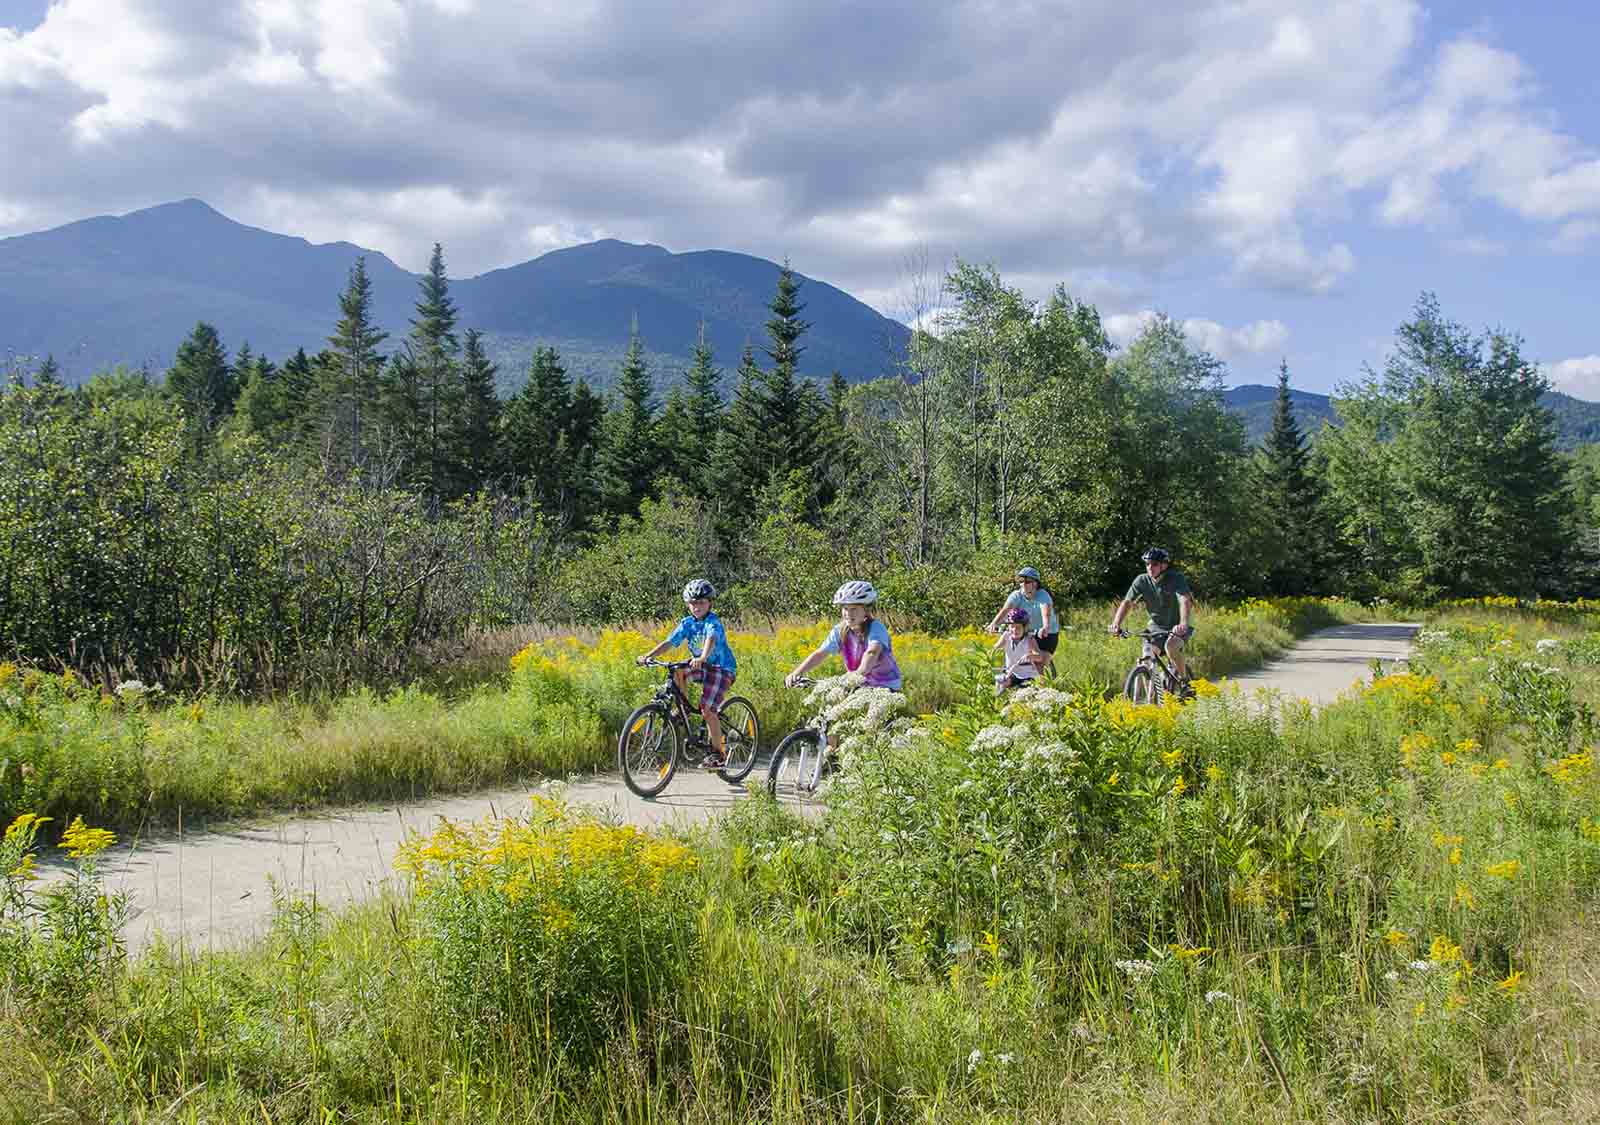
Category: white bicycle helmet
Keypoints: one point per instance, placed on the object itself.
(698, 588)
(855, 592)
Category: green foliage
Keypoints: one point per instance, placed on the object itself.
(1445, 472)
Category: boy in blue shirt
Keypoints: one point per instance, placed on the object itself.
(712, 664)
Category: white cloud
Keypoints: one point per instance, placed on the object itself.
(1256, 338)
(1575, 237)
(1579, 376)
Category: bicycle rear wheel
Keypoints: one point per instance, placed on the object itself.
(741, 738)
(796, 767)
(1140, 686)
(647, 750)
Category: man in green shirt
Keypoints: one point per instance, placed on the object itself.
(1169, 601)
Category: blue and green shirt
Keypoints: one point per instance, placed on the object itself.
(706, 636)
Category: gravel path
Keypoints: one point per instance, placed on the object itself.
(215, 887)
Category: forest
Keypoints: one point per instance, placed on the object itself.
(248, 523)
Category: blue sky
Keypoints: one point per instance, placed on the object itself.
(1283, 177)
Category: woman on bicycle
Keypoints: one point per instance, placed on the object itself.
(859, 638)
(712, 663)
(1043, 622)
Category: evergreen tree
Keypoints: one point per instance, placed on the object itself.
(736, 463)
(49, 374)
(349, 381)
(261, 409)
(425, 395)
(789, 407)
(585, 425)
(534, 433)
(202, 382)
(480, 416)
(628, 455)
(702, 422)
(1291, 510)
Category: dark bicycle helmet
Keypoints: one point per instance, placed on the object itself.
(698, 588)
(1028, 572)
(1016, 616)
(1156, 554)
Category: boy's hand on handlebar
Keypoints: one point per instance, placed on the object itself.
(641, 661)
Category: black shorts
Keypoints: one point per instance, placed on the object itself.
(1049, 641)
(1014, 681)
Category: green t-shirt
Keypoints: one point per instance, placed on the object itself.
(1160, 597)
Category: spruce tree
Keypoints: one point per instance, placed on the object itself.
(702, 407)
(349, 381)
(736, 461)
(425, 401)
(480, 415)
(628, 456)
(789, 407)
(582, 434)
(1292, 497)
(202, 382)
(534, 432)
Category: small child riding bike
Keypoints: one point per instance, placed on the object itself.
(860, 639)
(1023, 655)
(712, 666)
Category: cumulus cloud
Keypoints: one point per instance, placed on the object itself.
(1091, 140)
(1579, 376)
(1257, 338)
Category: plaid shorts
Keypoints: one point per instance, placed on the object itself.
(717, 681)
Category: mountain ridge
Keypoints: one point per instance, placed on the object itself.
(1577, 420)
(128, 288)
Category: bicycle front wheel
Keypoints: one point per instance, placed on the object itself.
(796, 767)
(1139, 687)
(647, 750)
(741, 738)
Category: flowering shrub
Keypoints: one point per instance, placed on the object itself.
(57, 938)
(551, 925)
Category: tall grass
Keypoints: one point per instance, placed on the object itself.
(134, 757)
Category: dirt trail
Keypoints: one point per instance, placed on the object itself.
(214, 888)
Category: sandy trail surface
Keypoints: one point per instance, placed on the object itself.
(214, 888)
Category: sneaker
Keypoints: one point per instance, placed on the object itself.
(712, 761)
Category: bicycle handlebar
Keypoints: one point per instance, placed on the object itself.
(654, 663)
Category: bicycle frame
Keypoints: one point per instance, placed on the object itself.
(820, 728)
(683, 712)
(1153, 656)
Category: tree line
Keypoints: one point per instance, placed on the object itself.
(245, 524)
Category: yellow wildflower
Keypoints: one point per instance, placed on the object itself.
(1172, 758)
(1179, 787)
(1505, 870)
(1214, 772)
(1502, 763)
(1447, 758)
(7, 670)
(1477, 769)
(80, 841)
(1455, 855)
(1396, 938)
(1463, 897)
(1468, 746)
(1113, 779)
(1512, 982)
(1443, 950)
(1186, 954)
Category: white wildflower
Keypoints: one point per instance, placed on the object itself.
(1216, 996)
(1391, 976)
(1422, 966)
(973, 1060)
(1547, 646)
(1005, 1058)
(136, 689)
(1137, 970)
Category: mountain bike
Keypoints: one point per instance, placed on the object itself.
(667, 730)
(1151, 678)
(801, 759)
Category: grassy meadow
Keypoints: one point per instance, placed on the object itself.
(134, 759)
(1054, 906)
